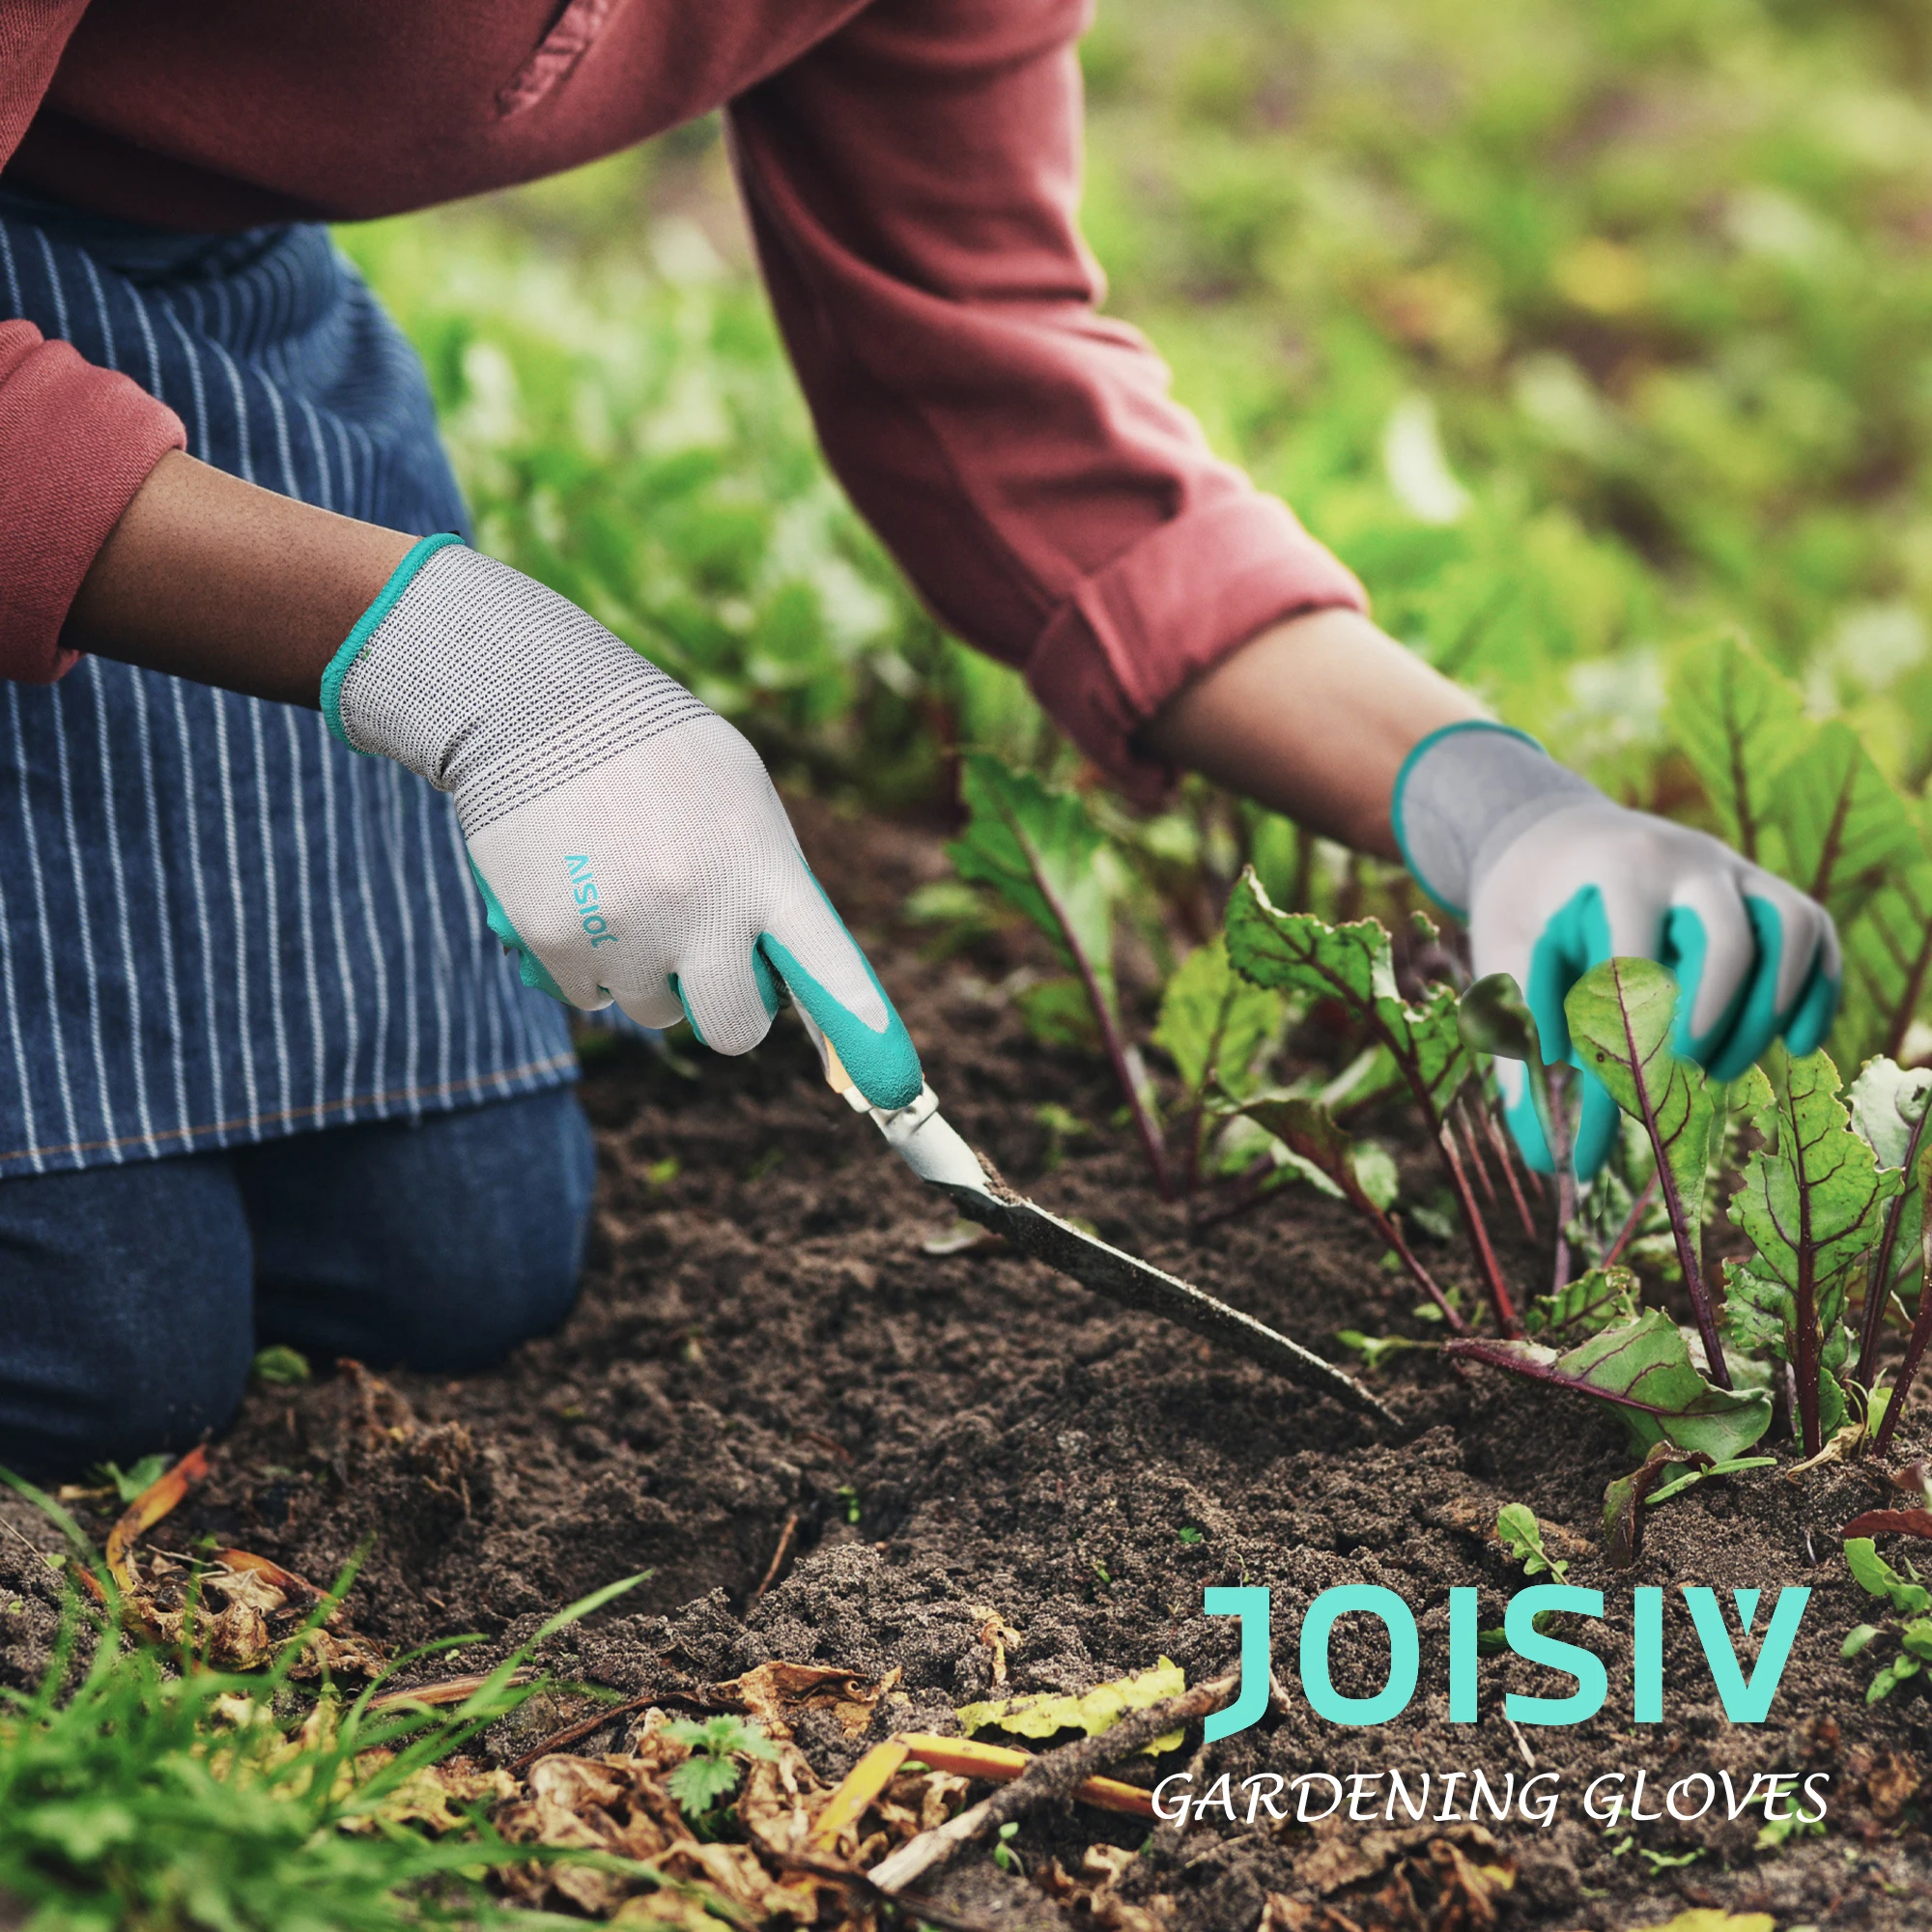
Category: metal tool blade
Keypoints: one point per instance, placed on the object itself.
(926, 1142)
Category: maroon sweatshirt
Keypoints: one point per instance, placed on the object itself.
(911, 169)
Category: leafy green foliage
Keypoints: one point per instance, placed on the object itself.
(1740, 724)
(710, 1775)
(1592, 1301)
(1521, 1535)
(1622, 1014)
(1812, 1203)
(280, 1367)
(1889, 1107)
(1643, 1370)
(1909, 1598)
(138, 1796)
(1353, 964)
(1213, 1023)
(127, 1484)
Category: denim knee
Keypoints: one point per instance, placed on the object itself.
(436, 1245)
(126, 1323)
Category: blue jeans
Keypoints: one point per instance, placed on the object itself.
(132, 1299)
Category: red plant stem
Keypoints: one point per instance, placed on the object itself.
(1144, 1124)
(1878, 1284)
(1566, 1175)
(1472, 1151)
(1914, 1350)
(1478, 1233)
(1500, 1140)
(1630, 1225)
(1424, 1279)
(1804, 1346)
(1686, 1226)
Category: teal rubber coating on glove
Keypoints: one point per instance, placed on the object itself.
(337, 668)
(1417, 753)
(1526, 1124)
(689, 1018)
(1576, 939)
(884, 1065)
(1817, 1007)
(1758, 1021)
(530, 970)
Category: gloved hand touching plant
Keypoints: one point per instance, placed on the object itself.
(627, 840)
(1553, 877)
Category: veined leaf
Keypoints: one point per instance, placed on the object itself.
(1643, 1369)
(1213, 1023)
(1591, 1302)
(1044, 856)
(1812, 1203)
(1621, 1015)
(1888, 964)
(1842, 831)
(1889, 1108)
(1740, 723)
(1362, 1175)
(1298, 952)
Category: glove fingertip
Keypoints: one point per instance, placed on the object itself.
(1813, 1020)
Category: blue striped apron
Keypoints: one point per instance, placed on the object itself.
(219, 926)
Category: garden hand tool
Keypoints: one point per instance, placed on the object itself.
(1553, 877)
(921, 1135)
(627, 840)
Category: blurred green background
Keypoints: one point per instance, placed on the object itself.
(1579, 331)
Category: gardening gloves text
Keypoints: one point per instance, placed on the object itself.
(627, 840)
(1552, 877)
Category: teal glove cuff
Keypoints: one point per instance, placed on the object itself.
(337, 668)
(1457, 789)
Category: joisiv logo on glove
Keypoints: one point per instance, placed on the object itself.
(583, 889)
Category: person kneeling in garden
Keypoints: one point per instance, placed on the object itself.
(267, 1073)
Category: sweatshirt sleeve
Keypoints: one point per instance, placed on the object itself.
(75, 441)
(912, 184)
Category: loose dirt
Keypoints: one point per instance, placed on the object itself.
(823, 1444)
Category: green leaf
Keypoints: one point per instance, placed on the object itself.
(1042, 853)
(1843, 830)
(1057, 1013)
(1857, 1638)
(1351, 964)
(1213, 1023)
(1363, 1174)
(1521, 1535)
(1621, 1015)
(1643, 1369)
(1740, 723)
(1878, 1579)
(1889, 1106)
(1495, 1018)
(702, 1783)
(1887, 950)
(1591, 1302)
(1092, 1711)
(280, 1366)
(1812, 1202)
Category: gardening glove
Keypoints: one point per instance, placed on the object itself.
(627, 840)
(1552, 878)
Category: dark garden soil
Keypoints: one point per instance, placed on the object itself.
(768, 1380)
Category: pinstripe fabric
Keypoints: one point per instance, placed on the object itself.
(218, 924)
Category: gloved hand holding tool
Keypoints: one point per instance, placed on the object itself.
(1553, 877)
(558, 741)
(560, 745)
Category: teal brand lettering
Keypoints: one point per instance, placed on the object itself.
(589, 916)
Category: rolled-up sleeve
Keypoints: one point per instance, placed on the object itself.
(76, 442)
(912, 184)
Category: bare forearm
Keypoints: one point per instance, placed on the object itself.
(212, 578)
(1313, 718)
